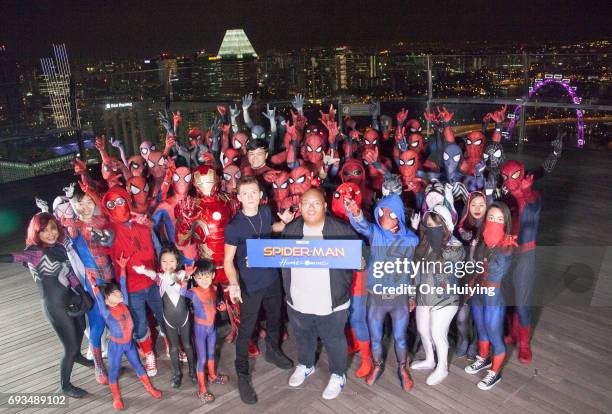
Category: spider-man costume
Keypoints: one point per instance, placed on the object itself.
(204, 311)
(358, 333)
(120, 325)
(525, 205)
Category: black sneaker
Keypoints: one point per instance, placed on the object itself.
(478, 365)
(277, 357)
(245, 388)
(489, 380)
(176, 381)
(72, 391)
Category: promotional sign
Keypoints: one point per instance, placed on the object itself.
(330, 254)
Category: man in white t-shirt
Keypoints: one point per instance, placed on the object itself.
(318, 299)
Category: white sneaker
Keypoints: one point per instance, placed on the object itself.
(150, 364)
(334, 386)
(478, 365)
(423, 364)
(437, 376)
(300, 374)
(89, 355)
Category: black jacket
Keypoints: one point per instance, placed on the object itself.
(340, 279)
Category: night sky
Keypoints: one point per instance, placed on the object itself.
(119, 28)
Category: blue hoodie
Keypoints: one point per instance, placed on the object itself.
(386, 246)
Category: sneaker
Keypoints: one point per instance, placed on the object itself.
(334, 386)
(489, 380)
(300, 374)
(150, 364)
(478, 365)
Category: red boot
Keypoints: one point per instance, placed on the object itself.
(524, 335)
(366, 359)
(117, 403)
(149, 387)
(512, 325)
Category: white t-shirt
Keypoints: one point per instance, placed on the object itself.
(310, 287)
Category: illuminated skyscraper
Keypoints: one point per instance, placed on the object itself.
(237, 62)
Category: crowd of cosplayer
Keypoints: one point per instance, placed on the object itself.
(141, 251)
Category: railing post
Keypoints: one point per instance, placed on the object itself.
(429, 88)
(523, 120)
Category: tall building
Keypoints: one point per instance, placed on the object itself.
(237, 62)
(11, 103)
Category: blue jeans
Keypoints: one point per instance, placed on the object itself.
(138, 302)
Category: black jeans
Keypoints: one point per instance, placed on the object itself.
(271, 298)
(330, 328)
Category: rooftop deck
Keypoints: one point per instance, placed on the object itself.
(570, 372)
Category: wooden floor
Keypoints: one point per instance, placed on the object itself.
(572, 345)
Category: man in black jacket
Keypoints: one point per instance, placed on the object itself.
(318, 299)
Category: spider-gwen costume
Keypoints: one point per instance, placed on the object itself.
(137, 242)
(120, 325)
(176, 319)
(53, 274)
(358, 334)
(205, 335)
(390, 240)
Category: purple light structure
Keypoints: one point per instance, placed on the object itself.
(540, 83)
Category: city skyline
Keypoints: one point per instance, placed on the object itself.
(124, 30)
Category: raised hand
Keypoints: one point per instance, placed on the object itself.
(351, 206)
(234, 112)
(221, 110)
(415, 220)
(374, 109)
(101, 143)
(298, 102)
(123, 260)
(177, 119)
(329, 159)
(270, 113)
(286, 216)
(444, 115)
(401, 116)
(247, 101)
(430, 116)
(166, 123)
(80, 167)
(42, 205)
(190, 269)
(116, 143)
(69, 190)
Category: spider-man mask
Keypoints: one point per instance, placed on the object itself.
(413, 126)
(139, 190)
(181, 180)
(280, 184)
(451, 156)
(145, 149)
(312, 150)
(387, 219)
(408, 163)
(239, 141)
(344, 192)
(137, 165)
(196, 136)
(205, 180)
(231, 175)
(474, 145)
(157, 164)
(370, 138)
(416, 143)
(353, 171)
(111, 169)
(116, 204)
(300, 180)
(513, 173)
(230, 156)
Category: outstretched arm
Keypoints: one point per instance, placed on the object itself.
(247, 101)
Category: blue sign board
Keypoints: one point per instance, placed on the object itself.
(329, 254)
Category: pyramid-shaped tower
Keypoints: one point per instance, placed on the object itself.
(236, 45)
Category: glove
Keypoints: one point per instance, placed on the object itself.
(80, 302)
